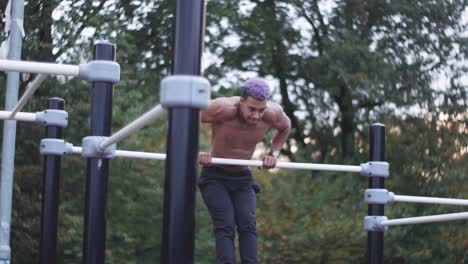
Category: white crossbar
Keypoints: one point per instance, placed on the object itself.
(20, 116)
(39, 67)
(255, 163)
(290, 165)
(429, 200)
(147, 118)
(30, 89)
(139, 155)
(425, 219)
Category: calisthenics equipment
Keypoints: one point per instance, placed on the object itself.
(47, 117)
(379, 169)
(383, 196)
(103, 72)
(95, 71)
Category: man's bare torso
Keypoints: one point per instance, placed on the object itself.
(232, 137)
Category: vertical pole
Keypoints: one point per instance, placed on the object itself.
(9, 132)
(50, 193)
(182, 141)
(98, 168)
(376, 153)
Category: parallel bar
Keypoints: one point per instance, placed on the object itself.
(425, 219)
(30, 89)
(50, 194)
(139, 155)
(147, 118)
(255, 163)
(39, 67)
(94, 241)
(178, 235)
(130, 154)
(289, 165)
(20, 116)
(375, 239)
(9, 133)
(429, 200)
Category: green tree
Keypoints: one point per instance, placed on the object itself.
(350, 61)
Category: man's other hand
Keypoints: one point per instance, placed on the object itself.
(269, 162)
(204, 158)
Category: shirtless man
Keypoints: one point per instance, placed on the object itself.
(229, 191)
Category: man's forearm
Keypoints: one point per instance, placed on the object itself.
(278, 140)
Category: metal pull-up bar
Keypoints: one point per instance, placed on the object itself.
(363, 168)
(95, 71)
(425, 219)
(429, 200)
(40, 67)
(21, 116)
(383, 196)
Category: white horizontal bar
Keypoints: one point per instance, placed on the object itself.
(256, 163)
(289, 165)
(39, 67)
(30, 89)
(429, 200)
(130, 154)
(147, 118)
(139, 155)
(425, 219)
(20, 116)
(77, 150)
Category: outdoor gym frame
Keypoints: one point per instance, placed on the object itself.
(183, 94)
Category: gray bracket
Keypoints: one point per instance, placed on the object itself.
(375, 169)
(91, 148)
(52, 117)
(100, 71)
(378, 196)
(55, 146)
(185, 91)
(374, 223)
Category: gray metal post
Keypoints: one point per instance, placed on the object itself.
(9, 132)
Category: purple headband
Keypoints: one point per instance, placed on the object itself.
(256, 88)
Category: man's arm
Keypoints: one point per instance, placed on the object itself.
(282, 125)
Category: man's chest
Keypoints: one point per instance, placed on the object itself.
(238, 135)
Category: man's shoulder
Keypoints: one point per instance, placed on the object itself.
(274, 113)
(274, 109)
(225, 107)
(274, 106)
(226, 101)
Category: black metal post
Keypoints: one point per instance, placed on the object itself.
(98, 168)
(182, 141)
(375, 241)
(50, 193)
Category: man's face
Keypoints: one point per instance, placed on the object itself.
(252, 110)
